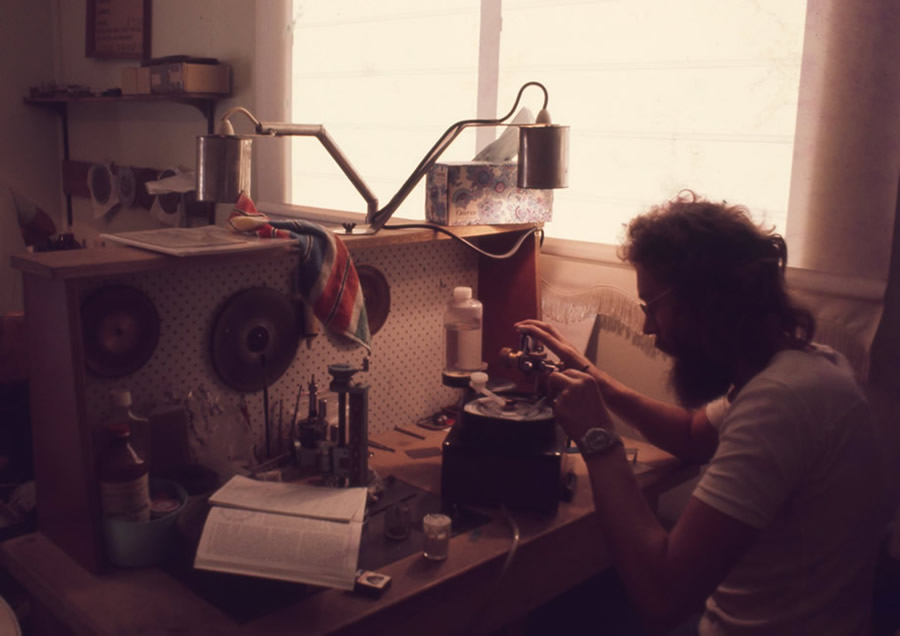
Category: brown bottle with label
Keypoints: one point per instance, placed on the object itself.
(122, 473)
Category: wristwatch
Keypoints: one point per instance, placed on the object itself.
(597, 441)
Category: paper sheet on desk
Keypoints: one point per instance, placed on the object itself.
(187, 241)
(286, 531)
(330, 504)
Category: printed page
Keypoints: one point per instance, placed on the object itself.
(279, 546)
(292, 498)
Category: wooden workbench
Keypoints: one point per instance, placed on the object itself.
(446, 597)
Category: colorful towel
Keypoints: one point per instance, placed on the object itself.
(327, 277)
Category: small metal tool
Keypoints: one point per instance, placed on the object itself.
(380, 446)
(408, 432)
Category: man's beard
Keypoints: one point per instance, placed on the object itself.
(698, 379)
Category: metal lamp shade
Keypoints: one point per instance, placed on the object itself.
(223, 167)
(543, 156)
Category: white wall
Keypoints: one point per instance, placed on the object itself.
(30, 145)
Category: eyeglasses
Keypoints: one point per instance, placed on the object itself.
(647, 306)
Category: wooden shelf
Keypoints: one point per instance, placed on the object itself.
(204, 102)
(114, 261)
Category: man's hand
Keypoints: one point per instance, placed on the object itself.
(578, 403)
(551, 338)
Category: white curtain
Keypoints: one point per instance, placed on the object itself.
(846, 169)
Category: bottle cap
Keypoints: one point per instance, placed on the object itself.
(478, 380)
(120, 397)
(462, 293)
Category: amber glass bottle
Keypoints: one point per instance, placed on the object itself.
(122, 473)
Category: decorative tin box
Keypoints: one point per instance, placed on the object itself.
(482, 193)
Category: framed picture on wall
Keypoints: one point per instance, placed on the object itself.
(118, 29)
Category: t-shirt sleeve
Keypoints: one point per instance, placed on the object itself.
(761, 455)
(716, 411)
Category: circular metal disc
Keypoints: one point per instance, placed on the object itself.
(254, 338)
(377, 295)
(120, 330)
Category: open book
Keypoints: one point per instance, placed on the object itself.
(287, 531)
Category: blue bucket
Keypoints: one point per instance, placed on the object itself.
(143, 543)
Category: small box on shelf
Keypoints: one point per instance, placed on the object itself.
(187, 77)
(135, 80)
(482, 193)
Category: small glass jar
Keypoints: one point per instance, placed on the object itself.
(397, 520)
(436, 528)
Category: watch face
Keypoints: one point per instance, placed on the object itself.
(597, 440)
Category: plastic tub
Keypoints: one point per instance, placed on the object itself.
(142, 543)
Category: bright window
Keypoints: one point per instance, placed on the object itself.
(660, 95)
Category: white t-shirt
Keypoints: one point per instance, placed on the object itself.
(797, 458)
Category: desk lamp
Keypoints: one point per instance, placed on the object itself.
(223, 159)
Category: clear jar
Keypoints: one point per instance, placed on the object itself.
(122, 473)
(462, 332)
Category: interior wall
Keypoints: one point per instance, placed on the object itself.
(42, 41)
(28, 154)
(150, 135)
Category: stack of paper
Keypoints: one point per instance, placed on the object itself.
(288, 531)
(188, 241)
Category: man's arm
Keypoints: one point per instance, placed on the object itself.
(668, 574)
(688, 435)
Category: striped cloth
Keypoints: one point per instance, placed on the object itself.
(327, 278)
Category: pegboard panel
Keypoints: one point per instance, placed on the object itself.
(405, 364)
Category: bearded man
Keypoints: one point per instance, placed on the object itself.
(781, 532)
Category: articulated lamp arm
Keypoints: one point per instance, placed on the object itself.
(381, 216)
(318, 131)
(223, 159)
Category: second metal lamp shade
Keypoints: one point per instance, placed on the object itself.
(543, 156)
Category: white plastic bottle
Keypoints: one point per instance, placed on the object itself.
(462, 332)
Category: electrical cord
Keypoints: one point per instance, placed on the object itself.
(467, 243)
(486, 598)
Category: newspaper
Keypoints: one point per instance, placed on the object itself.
(287, 531)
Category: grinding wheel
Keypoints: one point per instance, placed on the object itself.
(377, 296)
(120, 330)
(254, 338)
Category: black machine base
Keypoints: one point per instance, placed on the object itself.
(520, 478)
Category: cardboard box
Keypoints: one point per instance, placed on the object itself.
(482, 193)
(136, 80)
(186, 77)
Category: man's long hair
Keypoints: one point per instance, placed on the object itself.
(727, 275)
